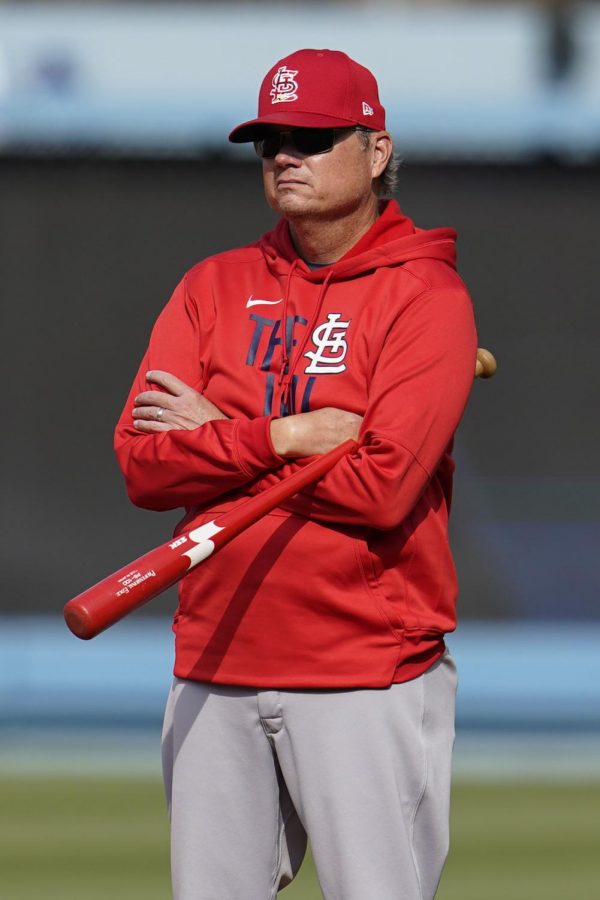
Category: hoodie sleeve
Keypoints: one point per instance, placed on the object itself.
(417, 395)
(183, 468)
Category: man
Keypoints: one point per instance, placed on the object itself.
(313, 691)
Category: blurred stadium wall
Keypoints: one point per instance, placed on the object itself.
(115, 176)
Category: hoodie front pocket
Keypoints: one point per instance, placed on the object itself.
(391, 609)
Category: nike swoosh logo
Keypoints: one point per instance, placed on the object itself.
(255, 301)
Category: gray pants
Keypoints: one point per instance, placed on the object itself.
(365, 773)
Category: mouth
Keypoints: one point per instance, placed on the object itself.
(288, 182)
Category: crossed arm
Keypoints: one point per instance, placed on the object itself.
(417, 392)
(184, 409)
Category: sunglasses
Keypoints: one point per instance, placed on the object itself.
(308, 141)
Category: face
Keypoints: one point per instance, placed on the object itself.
(326, 185)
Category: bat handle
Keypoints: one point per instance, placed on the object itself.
(486, 364)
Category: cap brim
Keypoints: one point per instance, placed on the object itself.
(255, 129)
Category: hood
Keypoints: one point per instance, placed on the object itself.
(392, 240)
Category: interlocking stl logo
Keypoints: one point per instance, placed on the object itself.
(330, 341)
(284, 85)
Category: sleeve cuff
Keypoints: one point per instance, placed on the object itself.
(253, 446)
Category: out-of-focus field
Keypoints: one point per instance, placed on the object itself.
(70, 837)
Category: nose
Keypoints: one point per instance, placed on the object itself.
(287, 154)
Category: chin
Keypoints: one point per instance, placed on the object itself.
(288, 203)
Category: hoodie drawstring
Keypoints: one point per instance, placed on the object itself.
(287, 383)
(286, 296)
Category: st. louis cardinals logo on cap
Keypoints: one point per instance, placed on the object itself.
(285, 86)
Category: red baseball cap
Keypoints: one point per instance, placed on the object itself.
(315, 89)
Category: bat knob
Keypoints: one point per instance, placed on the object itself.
(486, 364)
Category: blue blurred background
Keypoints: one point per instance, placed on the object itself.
(116, 176)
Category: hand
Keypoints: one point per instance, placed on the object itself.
(182, 407)
(314, 432)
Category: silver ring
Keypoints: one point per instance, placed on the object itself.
(159, 413)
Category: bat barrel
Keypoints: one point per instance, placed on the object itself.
(116, 596)
(135, 584)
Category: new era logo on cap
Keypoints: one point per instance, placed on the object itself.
(315, 89)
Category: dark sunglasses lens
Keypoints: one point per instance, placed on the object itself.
(313, 140)
(306, 140)
(268, 147)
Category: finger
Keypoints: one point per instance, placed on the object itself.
(149, 413)
(170, 382)
(152, 398)
(153, 427)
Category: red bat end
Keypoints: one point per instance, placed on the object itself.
(78, 621)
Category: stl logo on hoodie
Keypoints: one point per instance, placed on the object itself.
(331, 347)
(330, 341)
(284, 85)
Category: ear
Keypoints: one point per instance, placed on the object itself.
(382, 149)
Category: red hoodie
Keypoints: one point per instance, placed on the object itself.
(351, 583)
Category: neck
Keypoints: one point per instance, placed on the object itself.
(324, 241)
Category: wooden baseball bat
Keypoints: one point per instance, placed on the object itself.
(139, 581)
(111, 599)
